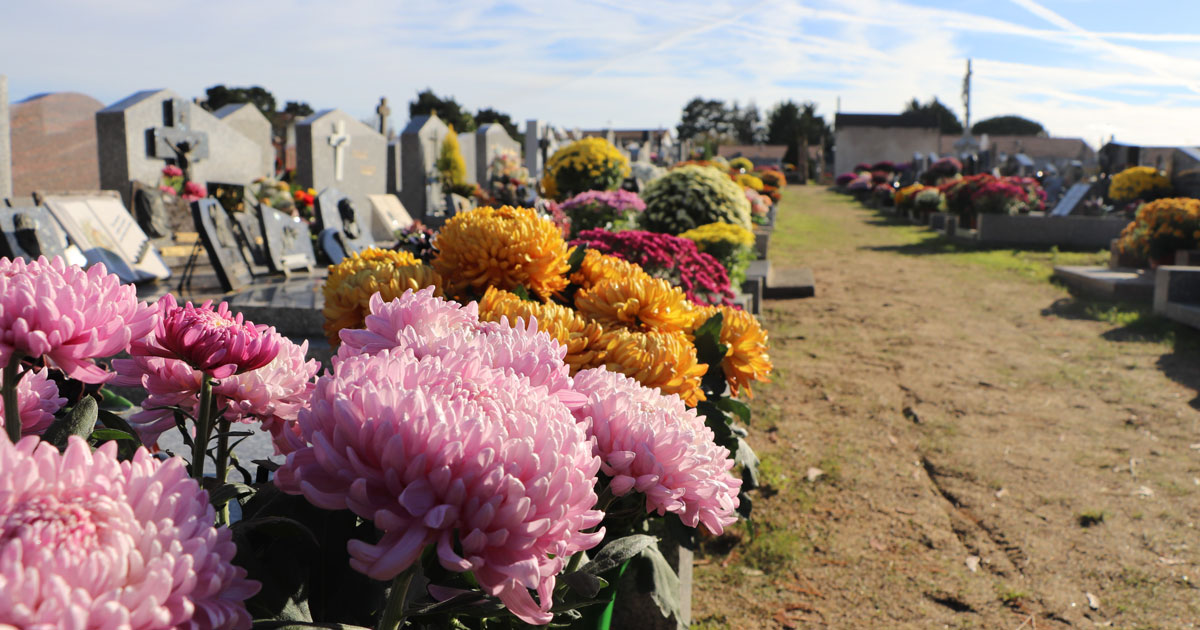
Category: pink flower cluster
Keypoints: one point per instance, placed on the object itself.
(169, 365)
(702, 277)
(90, 542)
(656, 445)
(68, 315)
(615, 201)
(194, 191)
(171, 170)
(37, 402)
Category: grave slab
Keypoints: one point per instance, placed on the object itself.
(224, 251)
(1041, 231)
(782, 283)
(6, 179)
(106, 232)
(1177, 294)
(1122, 283)
(292, 305)
(286, 239)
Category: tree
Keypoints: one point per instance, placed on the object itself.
(447, 109)
(788, 122)
(489, 115)
(219, 96)
(1008, 126)
(705, 119)
(747, 125)
(450, 164)
(947, 120)
(297, 109)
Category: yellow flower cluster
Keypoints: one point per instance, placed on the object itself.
(1162, 227)
(352, 282)
(746, 180)
(581, 337)
(905, 196)
(1138, 182)
(666, 360)
(720, 232)
(747, 359)
(502, 247)
(587, 159)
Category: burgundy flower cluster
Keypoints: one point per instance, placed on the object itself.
(676, 259)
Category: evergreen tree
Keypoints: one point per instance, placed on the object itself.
(447, 109)
(450, 163)
(1008, 126)
(947, 120)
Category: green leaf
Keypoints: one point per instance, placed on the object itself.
(227, 492)
(522, 293)
(275, 551)
(618, 551)
(126, 447)
(736, 407)
(584, 583)
(656, 578)
(108, 435)
(576, 259)
(272, 624)
(80, 420)
(113, 402)
(744, 456)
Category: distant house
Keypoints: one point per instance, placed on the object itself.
(876, 137)
(760, 154)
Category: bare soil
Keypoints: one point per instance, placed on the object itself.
(949, 444)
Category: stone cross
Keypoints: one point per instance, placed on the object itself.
(339, 141)
(174, 140)
(384, 111)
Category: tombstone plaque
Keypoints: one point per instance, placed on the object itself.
(287, 241)
(353, 224)
(388, 214)
(30, 231)
(1071, 200)
(213, 223)
(106, 232)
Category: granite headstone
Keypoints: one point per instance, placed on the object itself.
(29, 231)
(101, 226)
(250, 122)
(213, 223)
(491, 139)
(287, 241)
(333, 149)
(1071, 200)
(6, 180)
(419, 190)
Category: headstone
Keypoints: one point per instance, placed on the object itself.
(388, 214)
(250, 122)
(106, 232)
(156, 213)
(54, 143)
(467, 146)
(352, 223)
(335, 150)
(490, 139)
(30, 231)
(287, 241)
(6, 180)
(1185, 171)
(419, 190)
(247, 229)
(395, 176)
(383, 111)
(213, 223)
(1070, 201)
(331, 246)
(535, 144)
(141, 134)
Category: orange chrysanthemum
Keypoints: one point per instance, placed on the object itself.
(569, 328)
(352, 282)
(596, 267)
(655, 359)
(746, 360)
(502, 247)
(639, 303)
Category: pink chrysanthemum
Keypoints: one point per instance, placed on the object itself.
(446, 451)
(68, 315)
(37, 402)
(656, 445)
(213, 341)
(90, 542)
(272, 394)
(426, 325)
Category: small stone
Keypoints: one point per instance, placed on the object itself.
(1093, 601)
(813, 473)
(973, 563)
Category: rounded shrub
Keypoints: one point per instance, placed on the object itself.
(691, 196)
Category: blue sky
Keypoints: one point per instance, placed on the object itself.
(1084, 68)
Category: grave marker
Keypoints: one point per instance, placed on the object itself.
(223, 251)
(1071, 200)
(491, 139)
(419, 189)
(247, 120)
(388, 214)
(103, 229)
(351, 224)
(287, 241)
(28, 231)
(54, 143)
(335, 150)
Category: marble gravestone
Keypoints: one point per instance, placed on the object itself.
(333, 150)
(388, 215)
(351, 223)
(420, 191)
(287, 241)
(250, 122)
(139, 135)
(213, 223)
(28, 231)
(491, 139)
(106, 232)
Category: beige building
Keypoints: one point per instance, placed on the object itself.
(876, 137)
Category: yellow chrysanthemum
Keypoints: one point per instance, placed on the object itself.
(746, 180)
(352, 282)
(715, 232)
(502, 247)
(663, 360)
(637, 303)
(746, 359)
(596, 267)
(580, 336)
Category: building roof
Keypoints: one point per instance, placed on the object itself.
(922, 120)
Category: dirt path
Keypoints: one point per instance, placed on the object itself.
(989, 458)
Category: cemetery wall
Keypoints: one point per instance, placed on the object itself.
(873, 144)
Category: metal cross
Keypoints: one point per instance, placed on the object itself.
(339, 141)
(174, 140)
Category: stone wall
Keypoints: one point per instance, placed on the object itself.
(873, 144)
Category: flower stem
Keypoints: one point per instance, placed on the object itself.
(222, 464)
(12, 415)
(393, 611)
(203, 427)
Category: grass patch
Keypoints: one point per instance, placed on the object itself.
(773, 549)
(711, 622)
